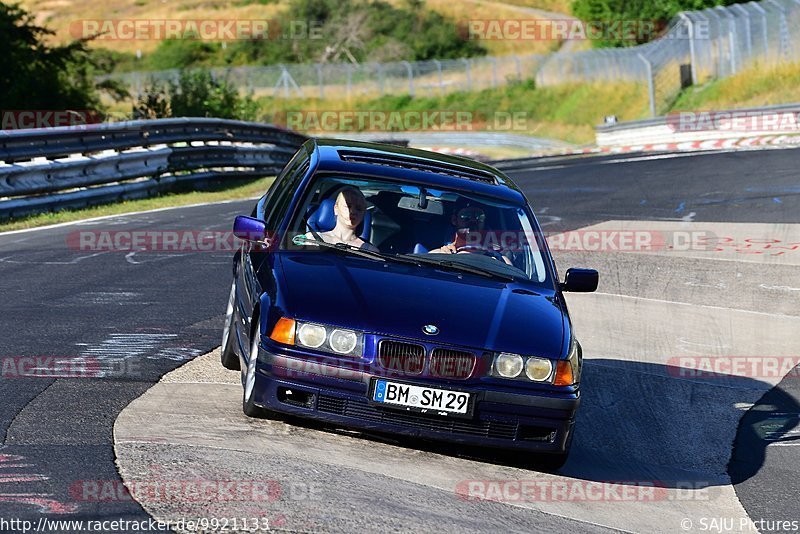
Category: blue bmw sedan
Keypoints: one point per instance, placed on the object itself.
(397, 290)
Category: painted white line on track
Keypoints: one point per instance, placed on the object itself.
(707, 306)
(105, 217)
(623, 160)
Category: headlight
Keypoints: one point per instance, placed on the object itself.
(311, 335)
(538, 369)
(343, 341)
(508, 365)
(330, 339)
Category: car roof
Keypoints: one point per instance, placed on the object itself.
(414, 165)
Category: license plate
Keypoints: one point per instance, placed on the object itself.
(421, 398)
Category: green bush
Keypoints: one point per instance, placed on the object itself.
(658, 12)
(330, 31)
(184, 53)
(196, 94)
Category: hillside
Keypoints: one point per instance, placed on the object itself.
(65, 17)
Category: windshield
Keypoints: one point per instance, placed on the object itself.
(434, 227)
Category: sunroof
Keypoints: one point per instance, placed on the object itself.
(437, 167)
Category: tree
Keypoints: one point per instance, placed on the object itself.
(657, 13)
(37, 76)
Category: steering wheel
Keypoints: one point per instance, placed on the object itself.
(476, 249)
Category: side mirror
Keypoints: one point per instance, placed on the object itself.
(580, 280)
(249, 229)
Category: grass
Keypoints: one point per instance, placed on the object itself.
(556, 6)
(65, 16)
(61, 15)
(243, 189)
(756, 86)
(565, 112)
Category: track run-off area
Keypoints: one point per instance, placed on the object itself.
(690, 392)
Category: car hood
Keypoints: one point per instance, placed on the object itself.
(398, 300)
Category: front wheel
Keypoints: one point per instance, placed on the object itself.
(249, 407)
(228, 356)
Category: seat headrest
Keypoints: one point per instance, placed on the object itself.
(323, 219)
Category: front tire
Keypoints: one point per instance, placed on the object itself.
(228, 356)
(249, 407)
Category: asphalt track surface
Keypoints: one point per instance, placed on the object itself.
(135, 317)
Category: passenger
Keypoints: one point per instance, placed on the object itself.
(349, 209)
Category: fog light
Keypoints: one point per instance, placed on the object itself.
(508, 365)
(538, 369)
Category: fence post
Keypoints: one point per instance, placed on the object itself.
(719, 68)
(731, 38)
(380, 78)
(349, 79)
(650, 87)
(748, 31)
(494, 71)
(410, 77)
(439, 71)
(467, 72)
(137, 80)
(783, 32)
(320, 81)
(765, 33)
(519, 67)
(692, 51)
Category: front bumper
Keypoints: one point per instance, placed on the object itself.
(328, 393)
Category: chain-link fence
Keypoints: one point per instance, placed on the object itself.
(696, 47)
(346, 80)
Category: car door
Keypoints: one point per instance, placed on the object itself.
(271, 208)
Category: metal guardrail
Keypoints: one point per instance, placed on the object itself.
(660, 121)
(667, 129)
(72, 167)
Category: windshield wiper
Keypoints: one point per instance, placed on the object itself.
(344, 247)
(458, 266)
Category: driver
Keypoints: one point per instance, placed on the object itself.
(349, 209)
(469, 220)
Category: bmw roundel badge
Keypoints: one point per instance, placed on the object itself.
(430, 329)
